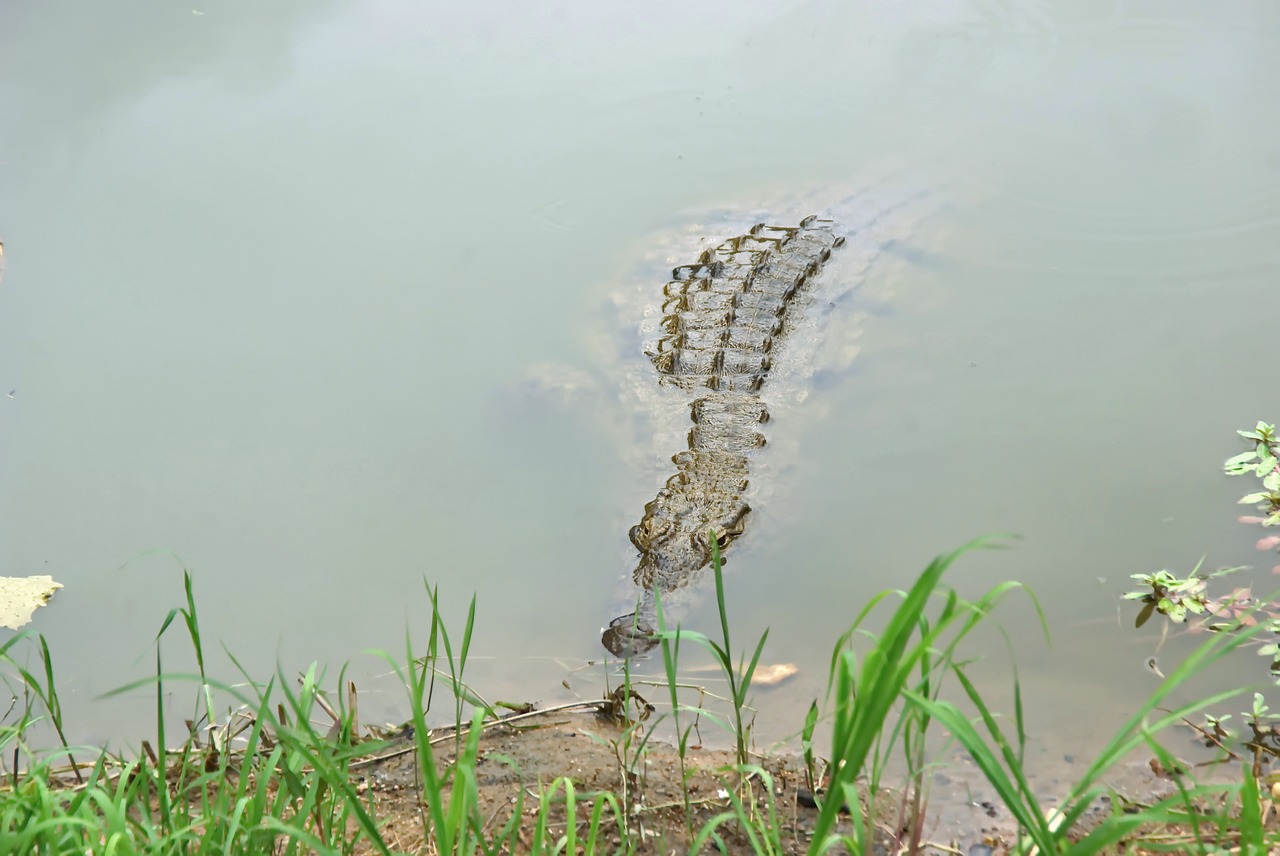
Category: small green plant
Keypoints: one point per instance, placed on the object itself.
(438, 637)
(738, 676)
(1238, 619)
(1264, 740)
(1177, 598)
(1053, 831)
(763, 832)
(628, 709)
(670, 644)
(910, 659)
(1170, 596)
(1260, 461)
(1180, 598)
(261, 778)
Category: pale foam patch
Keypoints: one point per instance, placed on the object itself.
(20, 597)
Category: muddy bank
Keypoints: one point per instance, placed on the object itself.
(520, 762)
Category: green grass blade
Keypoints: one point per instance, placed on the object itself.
(1013, 793)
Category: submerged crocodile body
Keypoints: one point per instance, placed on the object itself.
(722, 317)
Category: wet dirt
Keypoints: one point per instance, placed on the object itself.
(518, 764)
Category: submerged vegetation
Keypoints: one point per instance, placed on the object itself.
(253, 772)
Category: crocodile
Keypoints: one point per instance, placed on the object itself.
(725, 318)
(721, 318)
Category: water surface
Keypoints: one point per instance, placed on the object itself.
(326, 299)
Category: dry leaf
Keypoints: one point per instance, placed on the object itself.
(764, 675)
(20, 597)
(773, 675)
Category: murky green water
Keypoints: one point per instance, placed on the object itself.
(326, 298)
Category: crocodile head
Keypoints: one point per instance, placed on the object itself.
(666, 564)
(629, 636)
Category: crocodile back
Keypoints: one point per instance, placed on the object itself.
(720, 319)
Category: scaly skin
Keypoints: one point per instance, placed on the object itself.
(721, 317)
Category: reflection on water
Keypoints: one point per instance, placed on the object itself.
(329, 299)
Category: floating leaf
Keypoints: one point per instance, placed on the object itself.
(774, 674)
(20, 597)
